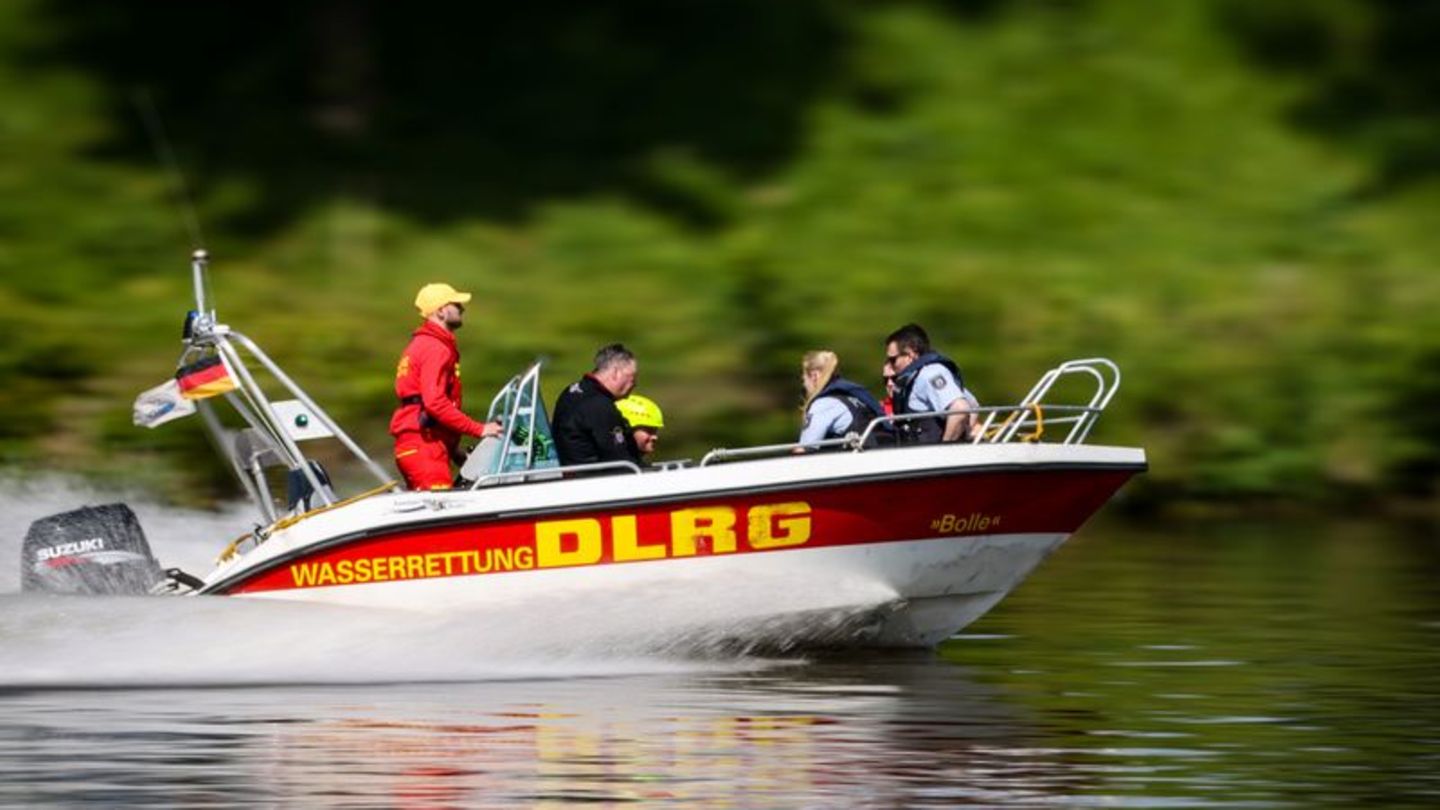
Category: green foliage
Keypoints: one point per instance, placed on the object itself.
(1031, 181)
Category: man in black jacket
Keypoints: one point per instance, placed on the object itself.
(588, 427)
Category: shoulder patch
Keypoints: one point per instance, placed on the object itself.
(618, 434)
(938, 381)
(807, 419)
(574, 388)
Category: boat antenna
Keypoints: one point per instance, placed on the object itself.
(179, 193)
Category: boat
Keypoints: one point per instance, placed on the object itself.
(841, 543)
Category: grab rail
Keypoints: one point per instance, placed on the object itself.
(1104, 392)
(1031, 413)
(553, 472)
(1080, 412)
(857, 442)
(729, 454)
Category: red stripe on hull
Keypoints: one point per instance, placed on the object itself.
(963, 504)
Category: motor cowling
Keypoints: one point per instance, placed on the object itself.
(98, 550)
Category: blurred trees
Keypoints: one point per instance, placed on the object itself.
(446, 112)
(1232, 200)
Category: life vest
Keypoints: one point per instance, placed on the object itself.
(927, 430)
(862, 407)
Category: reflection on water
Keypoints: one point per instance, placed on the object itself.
(1219, 666)
(858, 732)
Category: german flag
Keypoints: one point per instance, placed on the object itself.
(205, 378)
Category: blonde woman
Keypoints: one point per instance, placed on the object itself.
(834, 406)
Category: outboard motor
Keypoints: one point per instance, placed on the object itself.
(97, 550)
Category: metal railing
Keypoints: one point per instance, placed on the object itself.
(849, 440)
(993, 424)
(1107, 381)
(205, 332)
(986, 432)
(548, 473)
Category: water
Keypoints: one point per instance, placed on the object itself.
(1262, 665)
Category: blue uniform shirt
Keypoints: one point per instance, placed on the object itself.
(935, 389)
(826, 415)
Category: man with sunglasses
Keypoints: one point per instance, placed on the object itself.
(428, 424)
(926, 381)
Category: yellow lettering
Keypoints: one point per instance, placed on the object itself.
(504, 559)
(550, 542)
(627, 545)
(793, 525)
(704, 530)
(524, 558)
(714, 523)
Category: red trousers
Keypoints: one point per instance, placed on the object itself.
(425, 464)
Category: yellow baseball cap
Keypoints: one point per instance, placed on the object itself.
(434, 296)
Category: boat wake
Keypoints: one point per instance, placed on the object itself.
(49, 641)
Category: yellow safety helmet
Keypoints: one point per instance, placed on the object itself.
(434, 296)
(641, 412)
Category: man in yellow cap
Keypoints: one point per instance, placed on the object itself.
(429, 423)
(645, 420)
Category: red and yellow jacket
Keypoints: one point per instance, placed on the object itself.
(427, 382)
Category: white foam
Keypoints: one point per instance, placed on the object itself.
(48, 640)
(113, 641)
(180, 538)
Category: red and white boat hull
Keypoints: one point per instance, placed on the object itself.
(886, 548)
